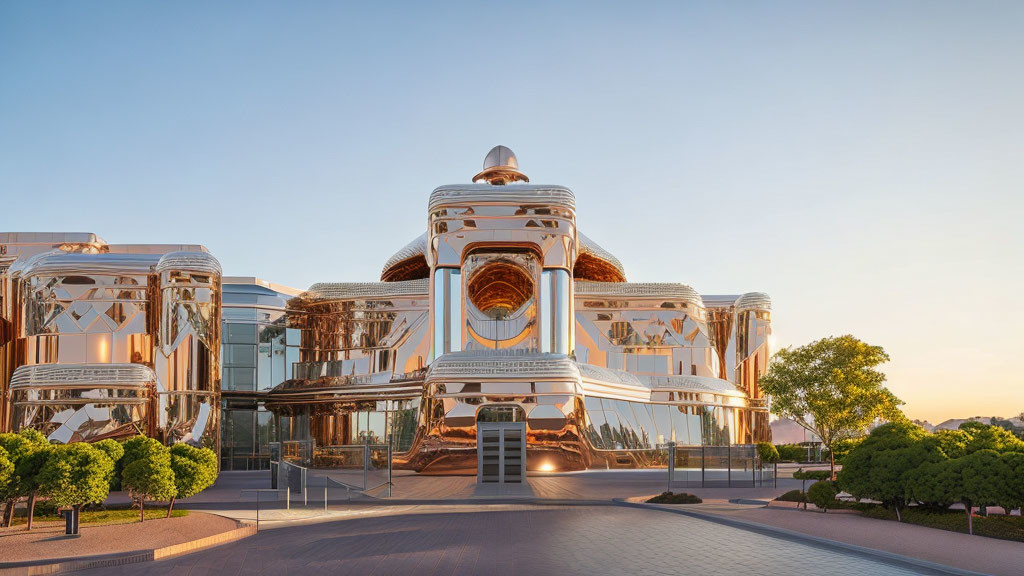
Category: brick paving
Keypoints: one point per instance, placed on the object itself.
(47, 542)
(516, 539)
(974, 553)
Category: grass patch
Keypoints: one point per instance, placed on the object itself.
(995, 526)
(100, 515)
(670, 498)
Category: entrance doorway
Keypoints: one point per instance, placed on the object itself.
(501, 452)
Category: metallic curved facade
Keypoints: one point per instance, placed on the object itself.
(83, 317)
(503, 310)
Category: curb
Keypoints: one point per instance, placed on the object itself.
(25, 569)
(818, 542)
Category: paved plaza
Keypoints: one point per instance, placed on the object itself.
(517, 539)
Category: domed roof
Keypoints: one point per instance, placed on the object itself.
(500, 167)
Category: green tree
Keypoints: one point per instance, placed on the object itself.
(986, 479)
(195, 469)
(822, 494)
(14, 446)
(877, 468)
(147, 472)
(115, 451)
(832, 388)
(7, 477)
(76, 474)
(986, 437)
(1013, 467)
(27, 451)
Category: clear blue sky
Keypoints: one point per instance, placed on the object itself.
(860, 162)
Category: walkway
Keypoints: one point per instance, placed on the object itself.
(517, 539)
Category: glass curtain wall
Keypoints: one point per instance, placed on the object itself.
(258, 352)
(624, 425)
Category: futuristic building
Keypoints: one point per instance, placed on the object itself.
(503, 312)
(501, 329)
(105, 341)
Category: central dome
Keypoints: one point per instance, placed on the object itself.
(500, 167)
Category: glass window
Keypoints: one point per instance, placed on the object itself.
(235, 378)
(693, 420)
(646, 430)
(597, 423)
(663, 422)
(376, 429)
(611, 432)
(237, 333)
(240, 355)
(680, 425)
(627, 424)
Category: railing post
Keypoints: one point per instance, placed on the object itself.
(305, 495)
(391, 440)
(728, 465)
(325, 495)
(776, 476)
(288, 497)
(703, 464)
(366, 461)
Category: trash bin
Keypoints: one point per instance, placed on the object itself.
(70, 521)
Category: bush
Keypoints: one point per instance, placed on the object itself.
(76, 474)
(792, 452)
(1004, 527)
(793, 496)
(767, 452)
(670, 498)
(822, 494)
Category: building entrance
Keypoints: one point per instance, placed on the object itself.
(501, 452)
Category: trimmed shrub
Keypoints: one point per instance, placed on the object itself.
(767, 452)
(671, 498)
(792, 453)
(822, 494)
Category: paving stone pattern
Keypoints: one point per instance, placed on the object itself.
(506, 539)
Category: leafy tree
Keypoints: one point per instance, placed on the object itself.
(195, 469)
(986, 437)
(843, 447)
(14, 446)
(986, 479)
(832, 388)
(822, 494)
(877, 468)
(27, 451)
(147, 472)
(115, 451)
(1013, 467)
(76, 474)
(7, 477)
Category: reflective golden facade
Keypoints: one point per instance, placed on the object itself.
(504, 311)
(104, 341)
(501, 311)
